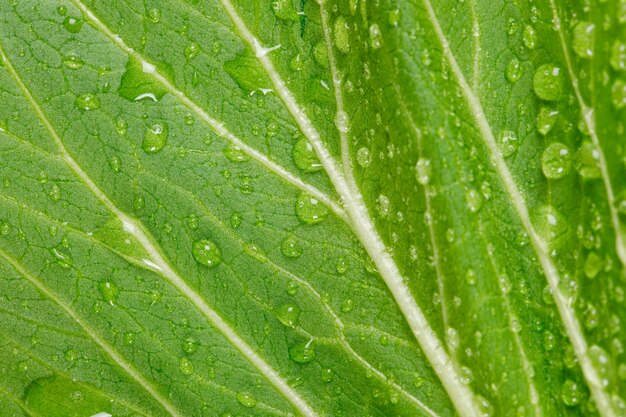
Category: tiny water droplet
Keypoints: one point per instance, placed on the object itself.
(548, 341)
(548, 82)
(618, 94)
(62, 10)
(87, 102)
(186, 366)
(376, 37)
(474, 200)
(288, 314)
(363, 157)
(507, 142)
(155, 138)
(5, 229)
(529, 37)
(465, 375)
(154, 15)
(189, 345)
(207, 253)
(556, 161)
(310, 210)
(423, 171)
(470, 277)
(571, 393)
(303, 352)
(291, 248)
(304, 156)
(115, 163)
(546, 119)
(342, 266)
(109, 291)
(382, 205)
(192, 221)
(64, 259)
(327, 375)
(73, 62)
(586, 161)
(235, 154)
(514, 70)
(246, 400)
(347, 305)
(192, 50)
(235, 220)
(256, 252)
(72, 24)
(71, 355)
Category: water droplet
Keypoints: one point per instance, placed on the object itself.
(154, 15)
(256, 252)
(548, 341)
(470, 277)
(363, 157)
(507, 142)
(452, 338)
(514, 70)
(546, 120)
(207, 253)
(600, 359)
(288, 314)
(571, 393)
(109, 291)
(548, 82)
(556, 161)
(5, 229)
(474, 200)
(138, 82)
(376, 37)
(155, 138)
(310, 210)
(87, 102)
(582, 40)
(618, 56)
(618, 94)
(62, 10)
(347, 305)
(64, 259)
(71, 355)
(189, 345)
(394, 18)
(73, 62)
(115, 163)
(55, 193)
(192, 50)
(303, 352)
(423, 171)
(235, 220)
(342, 266)
(529, 37)
(304, 156)
(186, 366)
(246, 400)
(551, 224)
(342, 35)
(466, 375)
(291, 248)
(327, 375)
(72, 24)
(284, 9)
(235, 154)
(382, 205)
(586, 161)
(485, 408)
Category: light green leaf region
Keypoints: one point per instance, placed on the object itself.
(318, 208)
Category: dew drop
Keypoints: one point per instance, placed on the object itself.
(235, 220)
(507, 142)
(109, 291)
(423, 171)
(73, 62)
(303, 352)
(87, 102)
(474, 200)
(529, 37)
(556, 161)
(470, 277)
(71, 355)
(207, 253)
(394, 18)
(327, 375)
(546, 119)
(64, 259)
(618, 94)
(192, 50)
(586, 161)
(115, 163)
(342, 35)
(618, 56)
(548, 82)
(72, 24)
(304, 156)
(155, 138)
(246, 400)
(514, 70)
(5, 229)
(382, 205)
(363, 157)
(582, 40)
(310, 210)
(548, 341)
(571, 393)
(62, 10)
(192, 221)
(154, 15)
(256, 252)
(465, 375)
(189, 345)
(291, 248)
(347, 305)
(235, 154)
(376, 37)
(342, 266)
(552, 225)
(288, 314)
(185, 366)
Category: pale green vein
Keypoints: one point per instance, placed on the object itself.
(363, 227)
(568, 315)
(106, 347)
(217, 126)
(159, 263)
(589, 119)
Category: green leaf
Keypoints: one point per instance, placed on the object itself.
(351, 208)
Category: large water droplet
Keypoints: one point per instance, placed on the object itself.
(57, 396)
(288, 314)
(109, 291)
(310, 210)
(548, 82)
(207, 253)
(582, 40)
(155, 138)
(551, 225)
(304, 156)
(87, 102)
(303, 352)
(556, 161)
(342, 35)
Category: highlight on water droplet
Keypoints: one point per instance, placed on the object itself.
(310, 210)
(548, 82)
(288, 314)
(155, 138)
(207, 253)
(303, 352)
(556, 161)
(304, 156)
(87, 102)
